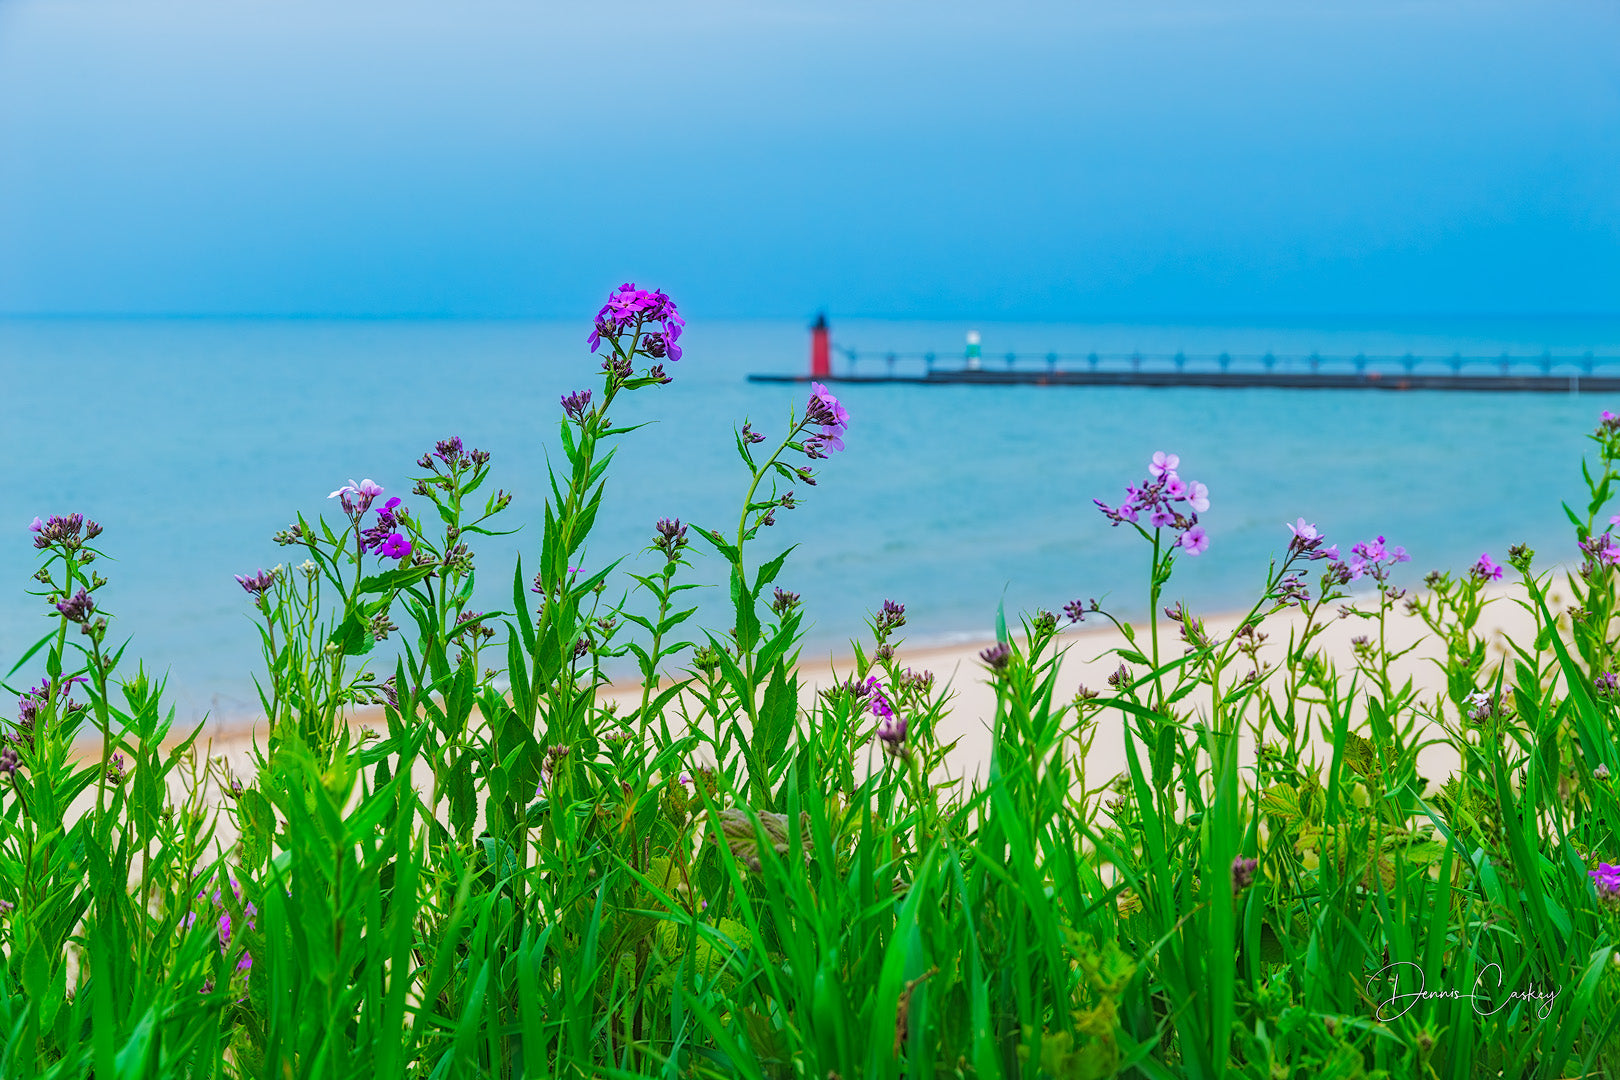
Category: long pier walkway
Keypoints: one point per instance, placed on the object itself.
(1545, 373)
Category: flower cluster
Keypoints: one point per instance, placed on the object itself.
(1482, 705)
(1243, 871)
(1485, 569)
(223, 918)
(575, 404)
(671, 537)
(1370, 558)
(891, 729)
(1077, 609)
(1600, 550)
(78, 607)
(1607, 879)
(829, 415)
(888, 620)
(383, 537)
(31, 701)
(257, 584)
(1167, 501)
(996, 656)
(783, 602)
(71, 532)
(548, 766)
(628, 310)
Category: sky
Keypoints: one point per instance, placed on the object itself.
(996, 160)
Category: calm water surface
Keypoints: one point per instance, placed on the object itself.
(194, 441)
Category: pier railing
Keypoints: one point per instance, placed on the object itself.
(857, 362)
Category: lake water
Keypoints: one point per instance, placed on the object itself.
(193, 441)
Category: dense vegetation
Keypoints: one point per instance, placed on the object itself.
(735, 875)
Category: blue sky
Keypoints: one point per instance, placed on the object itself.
(933, 160)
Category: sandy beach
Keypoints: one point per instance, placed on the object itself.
(1089, 658)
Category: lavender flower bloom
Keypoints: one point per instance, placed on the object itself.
(891, 729)
(1243, 873)
(1606, 684)
(997, 656)
(1485, 569)
(1481, 706)
(449, 450)
(78, 607)
(1163, 464)
(9, 761)
(64, 530)
(629, 307)
(1168, 501)
(1194, 541)
(1076, 609)
(783, 601)
(1607, 879)
(826, 411)
(892, 617)
(356, 498)
(671, 536)
(256, 584)
(749, 436)
(575, 404)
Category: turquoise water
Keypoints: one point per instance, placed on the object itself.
(194, 441)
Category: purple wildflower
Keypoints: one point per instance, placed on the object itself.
(891, 729)
(997, 656)
(1194, 541)
(1243, 871)
(9, 761)
(575, 404)
(78, 607)
(671, 537)
(628, 308)
(395, 547)
(830, 415)
(65, 530)
(1163, 464)
(1607, 879)
(892, 617)
(257, 584)
(356, 498)
(1485, 569)
(387, 523)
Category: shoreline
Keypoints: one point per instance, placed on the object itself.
(1089, 657)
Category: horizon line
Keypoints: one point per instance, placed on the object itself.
(1140, 318)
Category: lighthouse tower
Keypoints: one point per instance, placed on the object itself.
(820, 348)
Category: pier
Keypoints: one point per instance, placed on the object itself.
(1543, 373)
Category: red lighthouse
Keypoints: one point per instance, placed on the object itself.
(820, 348)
